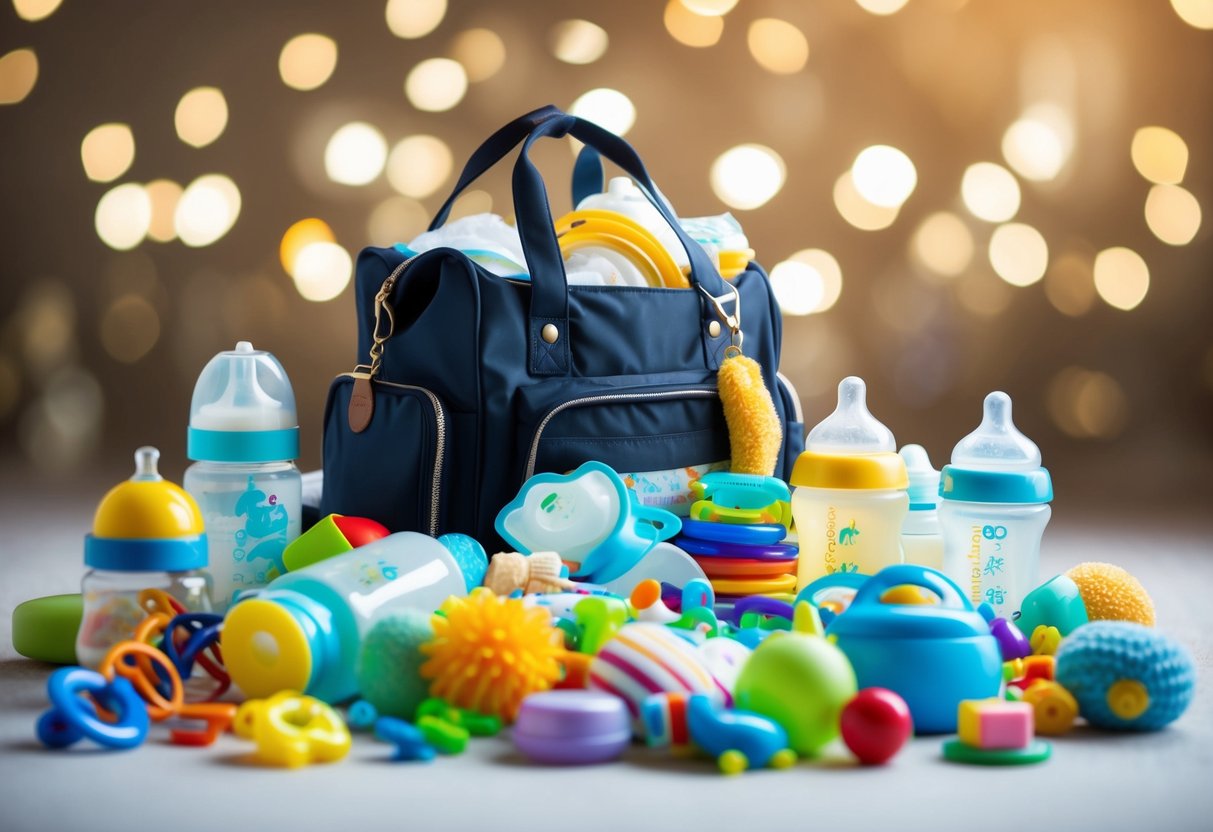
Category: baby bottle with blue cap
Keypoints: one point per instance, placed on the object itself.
(147, 542)
(244, 436)
(994, 508)
(921, 539)
(850, 498)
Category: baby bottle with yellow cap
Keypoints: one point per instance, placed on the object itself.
(147, 542)
(993, 511)
(850, 498)
(244, 436)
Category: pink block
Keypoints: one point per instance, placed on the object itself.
(1007, 725)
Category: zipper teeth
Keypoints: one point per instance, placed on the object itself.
(610, 397)
(797, 407)
(439, 446)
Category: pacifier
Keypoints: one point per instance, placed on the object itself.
(996, 444)
(566, 514)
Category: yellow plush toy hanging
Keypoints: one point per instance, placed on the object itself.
(754, 430)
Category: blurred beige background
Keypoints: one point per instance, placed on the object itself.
(1073, 269)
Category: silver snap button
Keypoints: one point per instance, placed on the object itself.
(550, 333)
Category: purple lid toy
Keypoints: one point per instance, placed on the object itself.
(572, 727)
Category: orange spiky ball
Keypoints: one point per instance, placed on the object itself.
(1112, 594)
(489, 653)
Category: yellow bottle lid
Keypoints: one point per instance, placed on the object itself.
(882, 470)
(266, 649)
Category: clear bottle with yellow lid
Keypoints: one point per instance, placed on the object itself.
(147, 542)
(850, 494)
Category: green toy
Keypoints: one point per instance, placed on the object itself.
(478, 725)
(800, 680)
(45, 628)
(1055, 603)
(447, 738)
(389, 661)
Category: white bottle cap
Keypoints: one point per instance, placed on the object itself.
(996, 444)
(851, 429)
(243, 389)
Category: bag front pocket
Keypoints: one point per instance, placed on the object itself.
(392, 471)
(629, 429)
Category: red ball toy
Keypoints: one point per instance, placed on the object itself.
(875, 725)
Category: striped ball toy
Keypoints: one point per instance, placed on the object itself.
(643, 659)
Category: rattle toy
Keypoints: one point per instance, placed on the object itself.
(730, 497)
(332, 535)
(777, 680)
(409, 741)
(72, 717)
(572, 727)
(737, 739)
(996, 732)
(389, 663)
(292, 730)
(44, 629)
(1126, 676)
(875, 724)
(488, 653)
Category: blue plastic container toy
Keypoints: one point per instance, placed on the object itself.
(932, 655)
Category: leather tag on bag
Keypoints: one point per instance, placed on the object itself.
(362, 403)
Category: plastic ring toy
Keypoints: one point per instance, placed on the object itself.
(753, 534)
(761, 605)
(957, 752)
(777, 513)
(185, 651)
(746, 567)
(293, 730)
(715, 549)
(73, 717)
(159, 706)
(784, 583)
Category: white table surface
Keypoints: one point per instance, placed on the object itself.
(1100, 781)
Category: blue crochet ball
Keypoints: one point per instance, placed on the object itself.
(1125, 676)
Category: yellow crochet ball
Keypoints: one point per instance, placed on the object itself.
(1112, 594)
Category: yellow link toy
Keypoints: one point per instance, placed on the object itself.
(293, 730)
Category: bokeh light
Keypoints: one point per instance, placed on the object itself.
(828, 272)
(1196, 13)
(747, 176)
(1173, 214)
(207, 210)
(412, 19)
(396, 219)
(18, 74)
(307, 61)
(164, 195)
(1070, 284)
(62, 427)
(419, 165)
(608, 108)
(578, 41)
(1087, 404)
(1018, 253)
(1038, 145)
(777, 46)
(10, 386)
(123, 216)
(797, 287)
(130, 327)
(300, 235)
(46, 326)
(1121, 277)
(864, 215)
(983, 294)
(201, 116)
(990, 192)
(884, 176)
(691, 29)
(481, 53)
(322, 271)
(35, 10)
(470, 203)
(107, 152)
(710, 7)
(944, 244)
(882, 7)
(1160, 155)
(436, 85)
(355, 154)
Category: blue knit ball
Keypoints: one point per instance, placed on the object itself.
(1125, 676)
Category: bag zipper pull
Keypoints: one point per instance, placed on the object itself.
(362, 402)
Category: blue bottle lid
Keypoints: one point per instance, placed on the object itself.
(996, 463)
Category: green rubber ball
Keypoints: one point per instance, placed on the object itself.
(389, 663)
(800, 681)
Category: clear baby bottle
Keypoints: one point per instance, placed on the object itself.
(147, 542)
(920, 536)
(245, 437)
(994, 510)
(304, 630)
(850, 498)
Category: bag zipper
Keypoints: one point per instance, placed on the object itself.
(797, 407)
(689, 393)
(439, 445)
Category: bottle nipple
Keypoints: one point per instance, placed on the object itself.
(924, 479)
(851, 428)
(147, 460)
(996, 444)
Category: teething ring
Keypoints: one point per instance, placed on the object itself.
(158, 601)
(293, 730)
(191, 637)
(73, 717)
(115, 665)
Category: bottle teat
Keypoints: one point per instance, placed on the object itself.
(851, 428)
(924, 479)
(996, 444)
(147, 460)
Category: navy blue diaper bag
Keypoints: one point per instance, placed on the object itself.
(467, 383)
